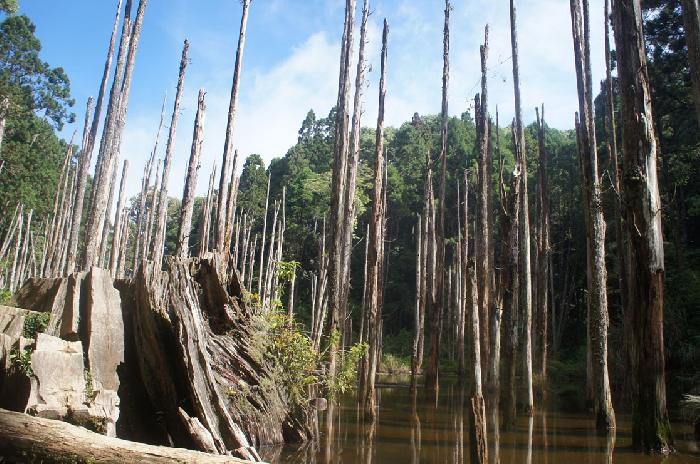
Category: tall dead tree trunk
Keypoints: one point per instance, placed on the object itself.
(482, 234)
(105, 230)
(375, 259)
(510, 211)
(477, 414)
(161, 214)
(341, 151)
(231, 203)
(418, 320)
(88, 147)
(435, 308)
(183, 239)
(117, 234)
(525, 215)
(261, 267)
(544, 252)
(222, 202)
(598, 322)
(498, 290)
(351, 175)
(645, 253)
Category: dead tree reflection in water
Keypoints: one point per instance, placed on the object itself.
(415, 429)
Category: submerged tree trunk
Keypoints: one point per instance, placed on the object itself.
(598, 317)
(651, 429)
(183, 240)
(544, 251)
(375, 257)
(525, 215)
(435, 307)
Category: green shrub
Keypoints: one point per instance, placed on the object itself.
(5, 295)
(21, 361)
(392, 364)
(35, 323)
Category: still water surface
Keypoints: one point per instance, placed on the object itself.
(418, 429)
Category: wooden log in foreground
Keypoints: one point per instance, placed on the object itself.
(24, 438)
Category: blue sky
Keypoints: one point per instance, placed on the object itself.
(291, 65)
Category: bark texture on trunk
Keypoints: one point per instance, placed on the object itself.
(44, 440)
(597, 272)
(341, 152)
(375, 258)
(645, 253)
(118, 218)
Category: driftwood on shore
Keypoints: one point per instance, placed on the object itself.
(24, 438)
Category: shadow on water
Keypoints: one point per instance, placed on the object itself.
(412, 428)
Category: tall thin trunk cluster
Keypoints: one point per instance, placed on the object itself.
(339, 186)
(543, 246)
(110, 144)
(644, 252)
(595, 223)
(375, 257)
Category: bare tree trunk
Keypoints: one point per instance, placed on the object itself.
(161, 214)
(183, 247)
(464, 275)
(418, 315)
(484, 268)
(477, 415)
(376, 247)
(351, 177)
(222, 213)
(511, 283)
(105, 230)
(148, 243)
(261, 267)
(18, 242)
(598, 322)
(435, 308)
(231, 204)
(117, 234)
(497, 292)
(645, 254)
(4, 110)
(140, 251)
(524, 212)
(544, 252)
(124, 242)
(206, 217)
(341, 151)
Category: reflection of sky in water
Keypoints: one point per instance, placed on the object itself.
(411, 432)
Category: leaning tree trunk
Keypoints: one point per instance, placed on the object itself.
(376, 240)
(598, 316)
(161, 213)
(525, 215)
(651, 429)
(222, 202)
(435, 312)
(183, 239)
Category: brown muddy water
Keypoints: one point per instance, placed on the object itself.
(411, 430)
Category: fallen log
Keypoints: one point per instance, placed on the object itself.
(24, 438)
